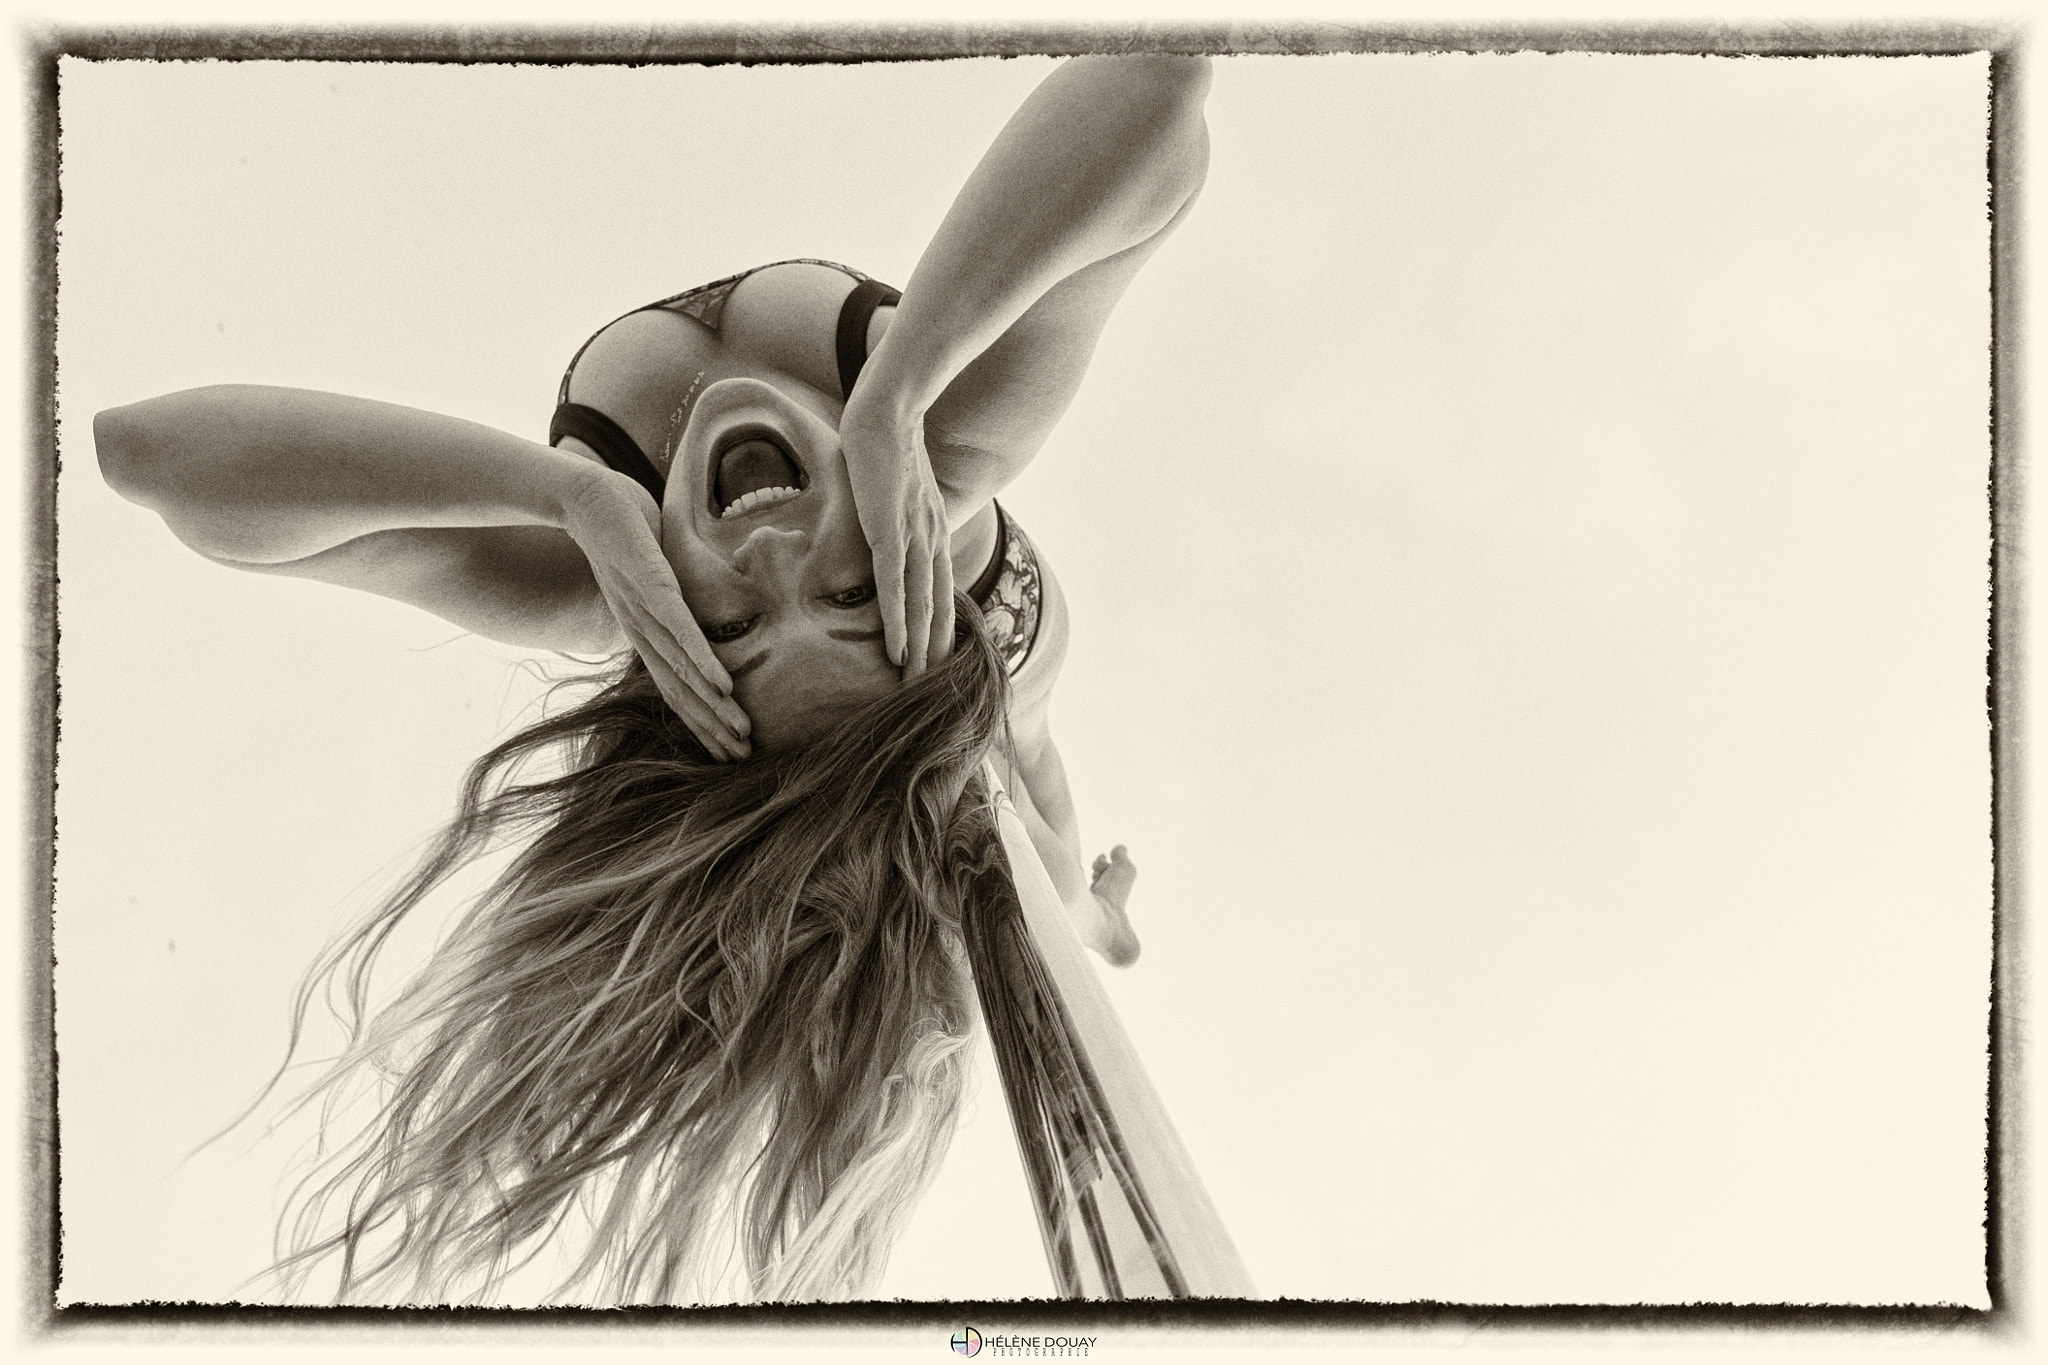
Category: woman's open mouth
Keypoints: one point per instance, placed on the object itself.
(750, 472)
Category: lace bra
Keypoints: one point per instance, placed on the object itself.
(706, 303)
(1009, 591)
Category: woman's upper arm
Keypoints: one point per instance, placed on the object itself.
(271, 475)
(991, 420)
(369, 496)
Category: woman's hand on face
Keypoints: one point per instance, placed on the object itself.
(618, 527)
(903, 516)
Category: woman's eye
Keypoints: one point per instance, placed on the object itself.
(729, 631)
(854, 597)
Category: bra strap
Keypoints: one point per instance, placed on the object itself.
(854, 316)
(609, 440)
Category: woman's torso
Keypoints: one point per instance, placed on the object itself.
(810, 323)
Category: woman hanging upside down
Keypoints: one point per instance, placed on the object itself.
(717, 1002)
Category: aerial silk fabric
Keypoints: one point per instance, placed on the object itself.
(1121, 1211)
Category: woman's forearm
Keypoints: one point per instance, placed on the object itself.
(1101, 156)
(262, 475)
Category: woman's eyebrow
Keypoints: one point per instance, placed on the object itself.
(741, 670)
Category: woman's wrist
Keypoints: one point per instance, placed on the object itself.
(558, 484)
(897, 385)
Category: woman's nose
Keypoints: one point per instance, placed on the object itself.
(768, 549)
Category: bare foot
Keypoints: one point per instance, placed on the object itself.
(1115, 875)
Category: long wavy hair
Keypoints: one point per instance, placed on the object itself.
(709, 1024)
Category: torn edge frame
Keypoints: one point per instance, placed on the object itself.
(793, 43)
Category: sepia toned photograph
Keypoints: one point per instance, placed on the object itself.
(1344, 678)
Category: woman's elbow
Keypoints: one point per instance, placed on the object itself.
(121, 439)
(149, 448)
(1190, 74)
(1179, 83)
(1178, 88)
(1165, 69)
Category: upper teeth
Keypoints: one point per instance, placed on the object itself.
(760, 497)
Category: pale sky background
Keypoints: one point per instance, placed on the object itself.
(1527, 541)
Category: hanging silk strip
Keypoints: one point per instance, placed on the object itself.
(1122, 1212)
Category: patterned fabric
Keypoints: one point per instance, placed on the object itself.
(1011, 609)
(705, 303)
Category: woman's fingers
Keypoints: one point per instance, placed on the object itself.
(711, 724)
(676, 635)
(661, 642)
(618, 527)
(689, 637)
(691, 657)
(942, 604)
(661, 597)
(670, 643)
(889, 586)
(717, 740)
(711, 729)
(917, 611)
(928, 597)
(902, 514)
